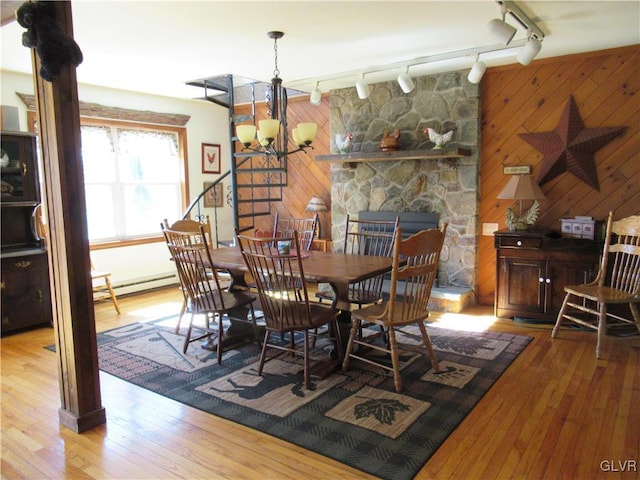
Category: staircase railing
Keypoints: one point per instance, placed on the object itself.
(198, 214)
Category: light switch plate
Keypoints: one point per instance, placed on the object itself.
(488, 229)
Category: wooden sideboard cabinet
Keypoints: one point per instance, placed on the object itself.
(532, 269)
(26, 299)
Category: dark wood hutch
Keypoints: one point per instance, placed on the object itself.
(26, 299)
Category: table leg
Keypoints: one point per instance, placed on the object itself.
(340, 301)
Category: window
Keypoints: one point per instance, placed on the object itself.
(133, 180)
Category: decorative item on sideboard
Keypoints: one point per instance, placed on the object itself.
(579, 227)
(522, 187)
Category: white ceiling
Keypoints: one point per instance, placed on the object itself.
(157, 46)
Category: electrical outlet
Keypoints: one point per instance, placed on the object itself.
(488, 229)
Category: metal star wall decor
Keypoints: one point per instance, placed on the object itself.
(571, 147)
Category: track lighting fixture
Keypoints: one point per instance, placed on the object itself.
(501, 30)
(405, 81)
(505, 32)
(529, 51)
(362, 86)
(316, 95)
(477, 71)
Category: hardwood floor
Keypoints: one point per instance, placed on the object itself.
(557, 412)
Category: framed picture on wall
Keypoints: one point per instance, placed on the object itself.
(210, 158)
(213, 198)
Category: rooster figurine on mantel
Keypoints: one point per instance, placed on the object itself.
(343, 142)
(439, 139)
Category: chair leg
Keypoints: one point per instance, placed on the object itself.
(556, 327)
(338, 338)
(188, 335)
(307, 374)
(602, 327)
(183, 309)
(355, 327)
(263, 353)
(427, 343)
(395, 359)
(114, 299)
(220, 334)
(636, 315)
(254, 322)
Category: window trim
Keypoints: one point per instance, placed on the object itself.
(181, 132)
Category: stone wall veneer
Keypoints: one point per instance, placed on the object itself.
(445, 101)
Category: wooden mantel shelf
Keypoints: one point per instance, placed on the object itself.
(451, 152)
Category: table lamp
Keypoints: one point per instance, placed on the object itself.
(317, 205)
(522, 187)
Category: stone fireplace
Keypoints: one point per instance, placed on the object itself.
(447, 186)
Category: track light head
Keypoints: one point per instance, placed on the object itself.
(529, 51)
(477, 71)
(405, 81)
(502, 31)
(316, 95)
(363, 88)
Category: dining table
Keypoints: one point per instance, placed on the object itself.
(339, 270)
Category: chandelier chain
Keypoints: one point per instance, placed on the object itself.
(276, 71)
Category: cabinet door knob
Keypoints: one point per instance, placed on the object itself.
(519, 243)
(541, 280)
(548, 280)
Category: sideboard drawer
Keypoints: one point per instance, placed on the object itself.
(518, 242)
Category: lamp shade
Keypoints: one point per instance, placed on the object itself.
(246, 134)
(269, 128)
(316, 204)
(307, 132)
(521, 187)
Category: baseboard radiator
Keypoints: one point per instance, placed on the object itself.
(145, 283)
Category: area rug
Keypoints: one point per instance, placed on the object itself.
(354, 417)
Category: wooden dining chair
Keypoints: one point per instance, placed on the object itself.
(101, 286)
(366, 237)
(617, 282)
(415, 265)
(193, 227)
(284, 298)
(306, 228)
(203, 294)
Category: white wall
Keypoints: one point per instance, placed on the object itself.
(208, 124)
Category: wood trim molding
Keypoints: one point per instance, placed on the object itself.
(95, 110)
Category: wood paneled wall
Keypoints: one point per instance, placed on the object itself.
(517, 99)
(307, 178)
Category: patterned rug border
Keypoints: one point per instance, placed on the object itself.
(392, 439)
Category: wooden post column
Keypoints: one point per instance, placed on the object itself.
(68, 249)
